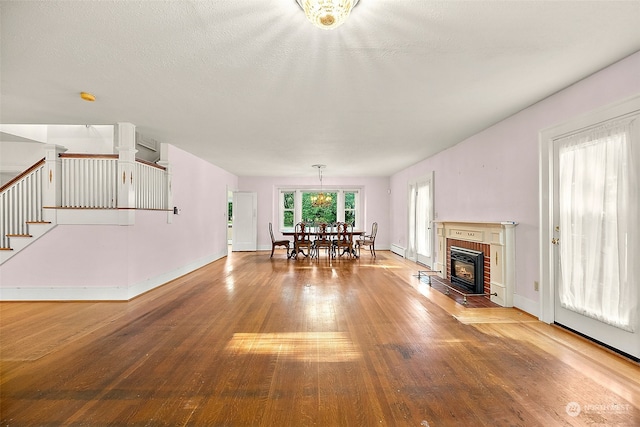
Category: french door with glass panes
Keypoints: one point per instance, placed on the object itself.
(596, 233)
(421, 221)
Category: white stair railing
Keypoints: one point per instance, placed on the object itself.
(89, 181)
(150, 186)
(20, 203)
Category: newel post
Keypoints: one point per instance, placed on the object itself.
(168, 195)
(52, 180)
(125, 142)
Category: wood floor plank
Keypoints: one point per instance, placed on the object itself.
(256, 341)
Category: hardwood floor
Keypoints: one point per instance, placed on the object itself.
(254, 341)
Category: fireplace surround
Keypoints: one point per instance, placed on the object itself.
(496, 241)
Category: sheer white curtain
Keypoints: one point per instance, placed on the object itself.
(598, 224)
(411, 247)
(422, 220)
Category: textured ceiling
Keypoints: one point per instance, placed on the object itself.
(252, 87)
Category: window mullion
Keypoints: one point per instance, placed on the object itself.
(340, 206)
(357, 213)
(281, 210)
(298, 207)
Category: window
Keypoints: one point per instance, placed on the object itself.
(350, 207)
(312, 213)
(295, 206)
(287, 205)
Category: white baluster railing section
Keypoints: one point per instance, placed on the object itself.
(21, 202)
(150, 186)
(89, 181)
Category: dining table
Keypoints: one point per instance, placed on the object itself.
(313, 232)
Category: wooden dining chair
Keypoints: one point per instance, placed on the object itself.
(323, 239)
(301, 240)
(343, 240)
(286, 243)
(368, 240)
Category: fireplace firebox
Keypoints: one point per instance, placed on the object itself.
(467, 269)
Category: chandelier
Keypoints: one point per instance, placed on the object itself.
(320, 200)
(327, 14)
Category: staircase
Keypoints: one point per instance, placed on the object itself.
(33, 203)
(22, 219)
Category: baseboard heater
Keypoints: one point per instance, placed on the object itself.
(398, 250)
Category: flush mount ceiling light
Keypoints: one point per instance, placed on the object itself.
(320, 200)
(87, 96)
(327, 14)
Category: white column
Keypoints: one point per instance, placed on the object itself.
(125, 139)
(52, 181)
(510, 262)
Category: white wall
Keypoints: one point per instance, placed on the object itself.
(376, 201)
(119, 262)
(81, 139)
(35, 133)
(493, 175)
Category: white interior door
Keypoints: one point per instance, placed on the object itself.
(245, 221)
(595, 236)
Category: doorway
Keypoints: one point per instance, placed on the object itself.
(229, 219)
(245, 217)
(421, 202)
(589, 233)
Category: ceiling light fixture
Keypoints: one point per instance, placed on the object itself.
(320, 200)
(327, 14)
(87, 96)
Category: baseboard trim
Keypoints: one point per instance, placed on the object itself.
(63, 294)
(525, 304)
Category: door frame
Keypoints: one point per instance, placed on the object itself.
(412, 186)
(620, 109)
(228, 220)
(253, 220)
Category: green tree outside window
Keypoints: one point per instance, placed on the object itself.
(289, 204)
(314, 214)
(350, 207)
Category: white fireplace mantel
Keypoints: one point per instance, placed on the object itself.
(500, 236)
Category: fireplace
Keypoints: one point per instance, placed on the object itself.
(496, 241)
(467, 269)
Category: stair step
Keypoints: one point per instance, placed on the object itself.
(18, 241)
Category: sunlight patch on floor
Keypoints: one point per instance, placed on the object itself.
(301, 346)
